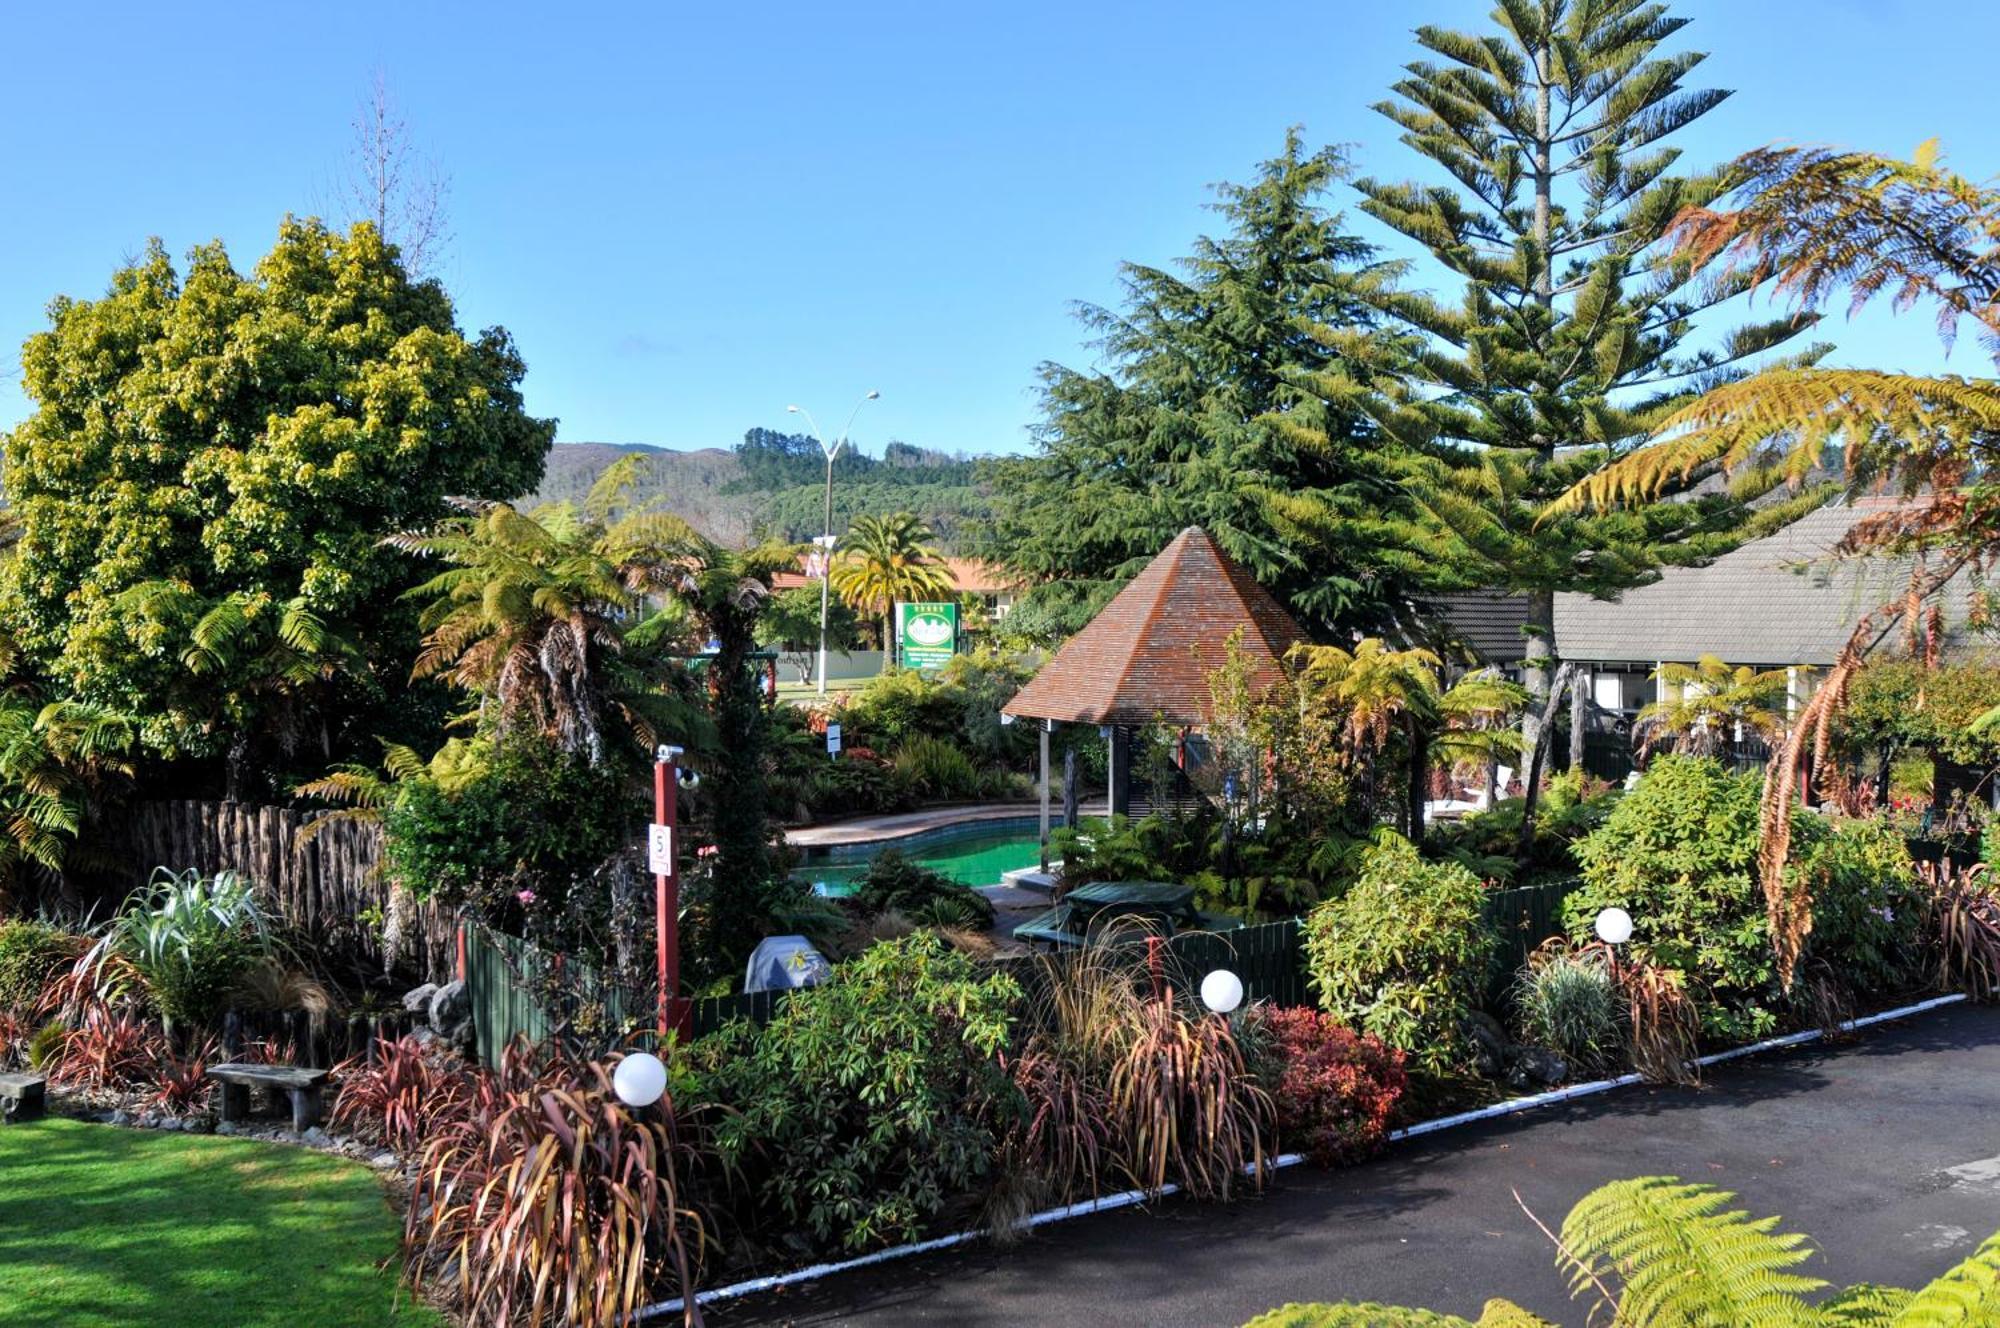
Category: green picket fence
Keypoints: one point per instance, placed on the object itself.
(518, 991)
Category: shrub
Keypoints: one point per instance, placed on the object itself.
(1403, 954)
(548, 1201)
(31, 953)
(1568, 1002)
(936, 768)
(180, 1083)
(1866, 908)
(855, 785)
(1679, 854)
(537, 819)
(192, 940)
(1186, 1106)
(1122, 1078)
(396, 1101)
(870, 1101)
(1961, 921)
(106, 1051)
(893, 883)
(1571, 806)
(890, 709)
(1335, 1089)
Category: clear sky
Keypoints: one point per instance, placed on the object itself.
(691, 215)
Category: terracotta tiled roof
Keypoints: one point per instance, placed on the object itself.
(968, 576)
(1148, 654)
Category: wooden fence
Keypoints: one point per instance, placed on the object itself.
(327, 886)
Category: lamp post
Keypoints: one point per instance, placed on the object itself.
(826, 541)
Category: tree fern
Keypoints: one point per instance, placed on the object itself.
(1968, 1295)
(1683, 1261)
(1663, 1254)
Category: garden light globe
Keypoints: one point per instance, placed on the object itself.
(639, 1080)
(1614, 926)
(1222, 991)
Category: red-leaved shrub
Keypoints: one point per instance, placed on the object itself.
(1335, 1088)
(109, 1051)
(397, 1100)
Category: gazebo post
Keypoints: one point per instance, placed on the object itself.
(1047, 725)
(1119, 763)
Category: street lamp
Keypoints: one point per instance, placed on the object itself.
(827, 541)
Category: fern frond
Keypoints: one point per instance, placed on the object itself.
(1967, 1295)
(1683, 1259)
(1790, 417)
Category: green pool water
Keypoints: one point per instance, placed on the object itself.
(976, 854)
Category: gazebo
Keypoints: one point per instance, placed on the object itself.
(1146, 657)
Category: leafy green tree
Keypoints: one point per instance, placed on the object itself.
(1657, 1252)
(1576, 332)
(1226, 403)
(790, 623)
(882, 560)
(245, 440)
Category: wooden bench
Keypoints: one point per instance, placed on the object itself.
(23, 1097)
(302, 1086)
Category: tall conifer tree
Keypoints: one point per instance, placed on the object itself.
(1576, 329)
(1220, 403)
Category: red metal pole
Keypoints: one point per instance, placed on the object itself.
(667, 894)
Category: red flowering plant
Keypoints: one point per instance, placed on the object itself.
(1336, 1089)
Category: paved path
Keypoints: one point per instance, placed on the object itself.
(1886, 1151)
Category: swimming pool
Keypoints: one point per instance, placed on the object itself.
(971, 853)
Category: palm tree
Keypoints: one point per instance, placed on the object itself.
(1813, 222)
(1704, 707)
(885, 559)
(1657, 1253)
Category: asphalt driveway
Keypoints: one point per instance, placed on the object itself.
(1886, 1150)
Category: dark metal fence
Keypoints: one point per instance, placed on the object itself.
(519, 991)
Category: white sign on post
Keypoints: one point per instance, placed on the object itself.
(832, 739)
(660, 849)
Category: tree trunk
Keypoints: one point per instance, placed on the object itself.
(1419, 781)
(1537, 755)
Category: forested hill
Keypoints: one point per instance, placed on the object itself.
(772, 484)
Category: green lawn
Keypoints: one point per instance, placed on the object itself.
(101, 1226)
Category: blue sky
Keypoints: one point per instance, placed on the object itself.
(690, 216)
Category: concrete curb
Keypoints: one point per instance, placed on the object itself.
(1106, 1203)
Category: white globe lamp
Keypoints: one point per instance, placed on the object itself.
(640, 1079)
(1222, 991)
(1614, 926)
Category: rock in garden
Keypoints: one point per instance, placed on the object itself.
(315, 1137)
(1489, 1045)
(417, 1000)
(121, 1118)
(1537, 1067)
(450, 1005)
(225, 1127)
(386, 1161)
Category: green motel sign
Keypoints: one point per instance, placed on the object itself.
(926, 634)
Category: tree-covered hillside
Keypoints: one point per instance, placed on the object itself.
(773, 484)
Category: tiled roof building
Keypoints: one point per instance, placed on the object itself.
(1148, 654)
